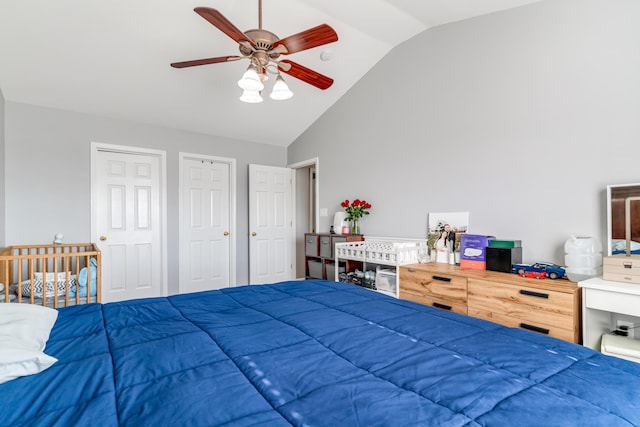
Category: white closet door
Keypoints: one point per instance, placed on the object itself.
(205, 229)
(271, 239)
(128, 224)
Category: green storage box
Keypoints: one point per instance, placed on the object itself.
(505, 243)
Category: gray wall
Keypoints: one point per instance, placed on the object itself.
(520, 118)
(48, 184)
(2, 169)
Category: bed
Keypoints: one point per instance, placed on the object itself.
(54, 275)
(311, 353)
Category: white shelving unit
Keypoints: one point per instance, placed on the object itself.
(381, 257)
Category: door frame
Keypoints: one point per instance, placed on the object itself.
(314, 161)
(126, 149)
(232, 207)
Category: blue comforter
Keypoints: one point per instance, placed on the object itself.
(311, 353)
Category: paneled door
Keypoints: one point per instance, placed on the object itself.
(207, 232)
(128, 223)
(271, 239)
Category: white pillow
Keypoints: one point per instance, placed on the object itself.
(15, 363)
(24, 331)
(26, 325)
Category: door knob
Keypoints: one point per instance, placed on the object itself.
(226, 233)
(254, 234)
(103, 238)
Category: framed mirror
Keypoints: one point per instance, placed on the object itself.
(617, 196)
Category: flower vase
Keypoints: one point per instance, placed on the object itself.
(355, 228)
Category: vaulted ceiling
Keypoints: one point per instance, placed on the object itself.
(111, 58)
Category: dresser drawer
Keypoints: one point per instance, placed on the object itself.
(513, 322)
(525, 303)
(614, 302)
(420, 283)
(435, 301)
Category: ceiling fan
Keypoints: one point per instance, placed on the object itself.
(264, 49)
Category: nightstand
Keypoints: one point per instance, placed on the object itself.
(604, 303)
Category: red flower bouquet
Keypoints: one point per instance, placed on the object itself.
(355, 210)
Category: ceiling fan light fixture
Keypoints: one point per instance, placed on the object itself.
(280, 90)
(250, 80)
(251, 96)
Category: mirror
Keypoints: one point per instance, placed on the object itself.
(616, 219)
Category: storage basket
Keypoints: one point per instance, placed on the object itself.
(386, 280)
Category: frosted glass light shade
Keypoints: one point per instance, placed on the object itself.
(251, 96)
(280, 90)
(250, 80)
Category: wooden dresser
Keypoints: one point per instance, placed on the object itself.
(551, 307)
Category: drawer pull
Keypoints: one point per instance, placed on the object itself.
(412, 270)
(534, 294)
(442, 306)
(442, 279)
(534, 328)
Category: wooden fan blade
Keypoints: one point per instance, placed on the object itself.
(305, 74)
(205, 61)
(223, 24)
(313, 37)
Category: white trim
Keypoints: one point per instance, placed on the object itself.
(126, 149)
(232, 207)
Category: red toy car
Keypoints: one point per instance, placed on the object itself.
(535, 274)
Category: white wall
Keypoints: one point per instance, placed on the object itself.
(520, 117)
(48, 174)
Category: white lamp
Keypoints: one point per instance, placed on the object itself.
(280, 90)
(251, 96)
(250, 80)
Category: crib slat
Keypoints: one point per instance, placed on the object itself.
(5, 279)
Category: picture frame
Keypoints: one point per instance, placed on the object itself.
(443, 233)
(616, 218)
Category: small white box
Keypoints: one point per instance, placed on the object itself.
(386, 280)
